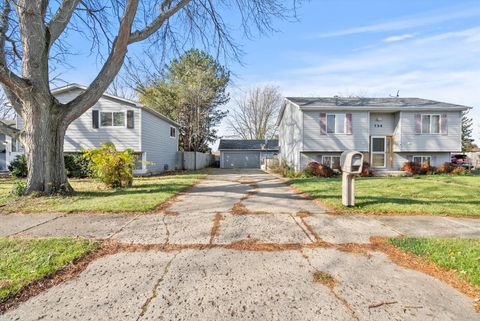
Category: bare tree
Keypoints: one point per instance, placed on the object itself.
(256, 113)
(34, 34)
(6, 109)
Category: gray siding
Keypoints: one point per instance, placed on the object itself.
(160, 149)
(437, 158)
(313, 141)
(412, 142)
(290, 136)
(382, 124)
(81, 134)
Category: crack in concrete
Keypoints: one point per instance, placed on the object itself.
(167, 231)
(39, 224)
(215, 227)
(331, 287)
(155, 288)
(301, 227)
(123, 227)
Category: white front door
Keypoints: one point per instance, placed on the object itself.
(378, 147)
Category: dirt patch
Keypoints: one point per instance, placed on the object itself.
(256, 245)
(324, 278)
(239, 209)
(417, 263)
(215, 227)
(65, 274)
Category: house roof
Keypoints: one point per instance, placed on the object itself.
(391, 104)
(152, 111)
(9, 122)
(247, 144)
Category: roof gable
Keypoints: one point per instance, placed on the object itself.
(72, 87)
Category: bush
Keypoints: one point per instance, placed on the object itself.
(459, 170)
(366, 170)
(446, 168)
(114, 168)
(19, 188)
(76, 165)
(319, 170)
(18, 167)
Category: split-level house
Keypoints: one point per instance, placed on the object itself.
(388, 131)
(128, 124)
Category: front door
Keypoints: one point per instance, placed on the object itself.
(378, 147)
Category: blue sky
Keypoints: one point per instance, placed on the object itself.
(428, 49)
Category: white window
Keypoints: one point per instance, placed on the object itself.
(173, 132)
(14, 145)
(336, 123)
(331, 161)
(430, 124)
(422, 159)
(112, 119)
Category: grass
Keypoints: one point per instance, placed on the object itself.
(459, 255)
(437, 195)
(25, 260)
(91, 196)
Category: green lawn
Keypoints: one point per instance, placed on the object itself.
(441, 195)
(25, 260)
(91, 196)
(460, 255)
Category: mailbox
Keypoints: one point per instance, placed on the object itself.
(351, 163)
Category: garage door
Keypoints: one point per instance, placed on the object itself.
(241, 160)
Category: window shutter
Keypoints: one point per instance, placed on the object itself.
(130, 119)
(348, 124)
(444, 124)
(418, 123)
(94, 118)
(323, 123)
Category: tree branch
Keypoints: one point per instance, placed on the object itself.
(9, 79)
(8, 130)
(60, 20)
(146, 32)
(112, 65)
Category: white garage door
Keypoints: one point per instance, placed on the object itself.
(241, 159)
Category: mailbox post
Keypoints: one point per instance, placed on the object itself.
(351, 163)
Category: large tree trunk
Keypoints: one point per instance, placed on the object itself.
(42, 139)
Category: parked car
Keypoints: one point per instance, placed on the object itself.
(462, 160)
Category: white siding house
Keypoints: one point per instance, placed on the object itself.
(125, 123)
(389, 131)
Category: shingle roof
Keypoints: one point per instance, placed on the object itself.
(247, 144)
(398, 102)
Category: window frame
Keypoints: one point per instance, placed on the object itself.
(174, 132)
(112, 112)
(343, 126)
(422, 158)
(430, 124)
(330, 157)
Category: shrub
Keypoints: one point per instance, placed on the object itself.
(112, 167)
(19, 188)
(366, 170)
(18, 167)
(459, 170)
(319, 170)
(445, 168)
(76, 165)
(411, 167)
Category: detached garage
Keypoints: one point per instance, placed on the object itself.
(240, 153)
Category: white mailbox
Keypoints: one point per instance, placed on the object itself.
(351, 163)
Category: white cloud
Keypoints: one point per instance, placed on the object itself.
(399, 37)
(405, 23)
(442, 67)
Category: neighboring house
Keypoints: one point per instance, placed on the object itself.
(127, 124)
(389, 131)
(241, 153)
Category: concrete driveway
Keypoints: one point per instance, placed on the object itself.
(241, 245)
